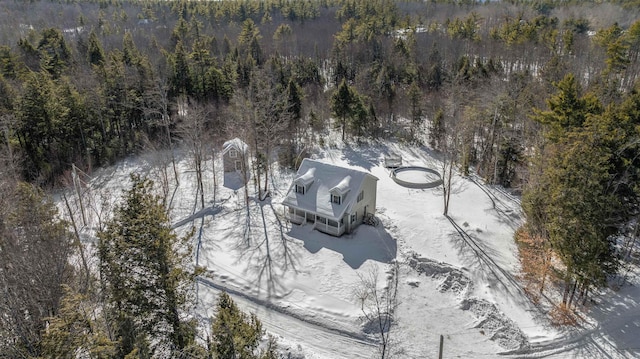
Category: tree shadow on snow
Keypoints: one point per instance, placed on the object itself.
(207, 211)
(366, 157)
(366, 243)
(485, 256)
(267, 254)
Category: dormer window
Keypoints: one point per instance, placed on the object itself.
(340, 191)
(305, 181)
(233, 153)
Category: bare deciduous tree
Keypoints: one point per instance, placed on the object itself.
(194, 133)
(378, 305)
(156, 108)
(35, 248)
(263, 109)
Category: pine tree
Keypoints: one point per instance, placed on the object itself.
(234, 334)
(180, 78)
(437, 130)
(581, 210)
(568, 109)
(575, 203)
(144, 272)
(349, 107)
(74, 330)
(54, 52)
(96, 54)
(415, 107)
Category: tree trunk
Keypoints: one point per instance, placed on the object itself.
(567, 286)
(213, 170)
(573, 293)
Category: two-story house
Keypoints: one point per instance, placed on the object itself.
(334, 199)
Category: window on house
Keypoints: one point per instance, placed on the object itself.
(353, 217)
(299, 189)
(233, 153)
(361, 196)
(336, 199)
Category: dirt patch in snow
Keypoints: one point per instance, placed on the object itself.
(501, 329)
(453, 279)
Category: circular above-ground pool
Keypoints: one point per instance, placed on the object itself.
(416, 177)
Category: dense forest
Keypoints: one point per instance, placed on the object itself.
(540, 97)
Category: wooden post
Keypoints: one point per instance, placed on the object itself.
(441, 345)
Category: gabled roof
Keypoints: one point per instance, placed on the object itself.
(306, 178)
(326, 179)
(236, 144)
(342, 187)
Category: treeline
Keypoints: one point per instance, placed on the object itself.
(538, 96)
(112, 80)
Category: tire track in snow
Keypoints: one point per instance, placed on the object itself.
(590, 343)
(324, 339)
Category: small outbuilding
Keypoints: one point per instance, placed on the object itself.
(392, 161)
(334, 199)
(235, 155)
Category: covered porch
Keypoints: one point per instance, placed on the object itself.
(323, 224)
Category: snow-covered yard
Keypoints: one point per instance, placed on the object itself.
(456, 277)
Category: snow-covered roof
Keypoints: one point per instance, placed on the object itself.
(342, 187)
(306, 178)
(326, 179)
(236, 144)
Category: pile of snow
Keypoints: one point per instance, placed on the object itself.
(501, 329)
(490, 320)
(453, 279)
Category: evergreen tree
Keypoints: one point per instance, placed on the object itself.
(234, 334)
(95, 52)
(40, 115)
(74, 330)
(130, 53)
(54, 53)
(581, 211)
(575, 203)
(10, 66)
(295, 103)
(350, 108)
(437, 130)
(144, 272)
(567, 108)
(416, 111)
(180, 78)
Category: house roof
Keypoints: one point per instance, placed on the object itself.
(236, 144)
(325, 179)
(306, 178)
(342, 187)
